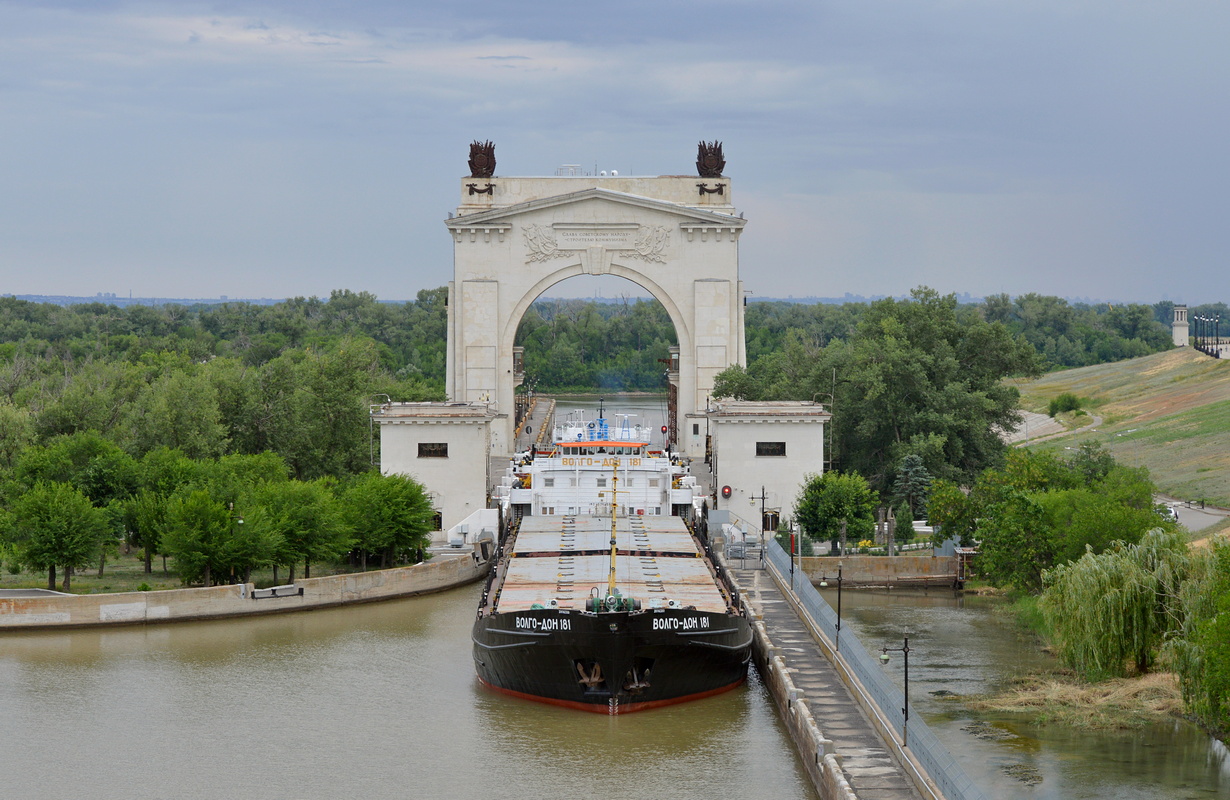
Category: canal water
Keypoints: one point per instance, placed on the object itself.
(369, 701)
(959, 644)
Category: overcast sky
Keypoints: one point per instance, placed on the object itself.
(178, 149)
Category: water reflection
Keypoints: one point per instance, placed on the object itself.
(959, 644)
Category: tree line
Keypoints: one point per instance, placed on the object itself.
(70, 503)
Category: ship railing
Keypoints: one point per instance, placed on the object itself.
(872, 681)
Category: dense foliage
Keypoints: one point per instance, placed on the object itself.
(226, 437)
(917, 377)
(836, 507)
(1201, 653)
(1039, 511)
(1109, 612)
(577, 345)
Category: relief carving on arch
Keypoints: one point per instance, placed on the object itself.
(647, 242)
(540, 244)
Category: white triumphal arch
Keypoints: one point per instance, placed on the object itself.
(514, 238)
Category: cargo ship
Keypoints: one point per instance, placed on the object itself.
(605, 596)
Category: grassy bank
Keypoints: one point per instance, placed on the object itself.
(126, 573)
(1121, 703)
(1169, 412)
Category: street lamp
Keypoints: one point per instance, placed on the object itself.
(824, 582)
(905, 710)
(792, 557)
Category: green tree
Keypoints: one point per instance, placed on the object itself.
(1201, 654)
(198, 526)
(307, 519)
(55, 525)
(951, 513)
(1108, 611)
(912, 484)
(390, 515)
(833, 503)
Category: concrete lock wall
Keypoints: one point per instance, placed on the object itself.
(817, 753)
(178, 605)
(862, 570)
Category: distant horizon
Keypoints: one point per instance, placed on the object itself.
(964, 298)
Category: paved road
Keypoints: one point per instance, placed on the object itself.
(1191, 515)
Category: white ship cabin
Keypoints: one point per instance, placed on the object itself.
(596, 477)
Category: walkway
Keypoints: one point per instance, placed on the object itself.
(867, 764)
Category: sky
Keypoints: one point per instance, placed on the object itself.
(276, 149)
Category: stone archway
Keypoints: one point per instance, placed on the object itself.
(516, 237)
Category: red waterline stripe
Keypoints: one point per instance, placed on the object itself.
(604, 708)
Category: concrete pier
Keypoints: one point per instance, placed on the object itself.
(843, 751)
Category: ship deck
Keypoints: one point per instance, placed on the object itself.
(564, 558)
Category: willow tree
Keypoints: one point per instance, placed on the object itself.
(1110, 611)
(1201, 653)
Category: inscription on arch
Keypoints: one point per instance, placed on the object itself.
(642, 242)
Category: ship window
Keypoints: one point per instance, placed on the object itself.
(548, 483)
(601, 483)
(770, 448)
(572, 481)
(433, 449)
(653, 483)
(630, 482)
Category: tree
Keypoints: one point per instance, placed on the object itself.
(54, 524)
(307, 519)
(912, 485)
(1106, 611)
(834, 504)
(1039, 511)
(1201, 654)
(197, 530)
(951, 513)
(914, 377)
(390, 515)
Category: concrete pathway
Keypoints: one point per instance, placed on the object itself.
(870, 768)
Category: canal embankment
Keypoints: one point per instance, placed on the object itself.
(838, 704)
(25, 610)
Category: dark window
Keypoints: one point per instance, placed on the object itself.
(696, 429)
(770, 448)
(433, 449)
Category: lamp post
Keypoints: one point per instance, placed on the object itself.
(792, 558)
(824, 582)
(905, 709)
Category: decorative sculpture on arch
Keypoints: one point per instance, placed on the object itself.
(482, 159)
(709, 160)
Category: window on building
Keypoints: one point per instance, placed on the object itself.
(770, 448)
(433, 449)
(696, 429)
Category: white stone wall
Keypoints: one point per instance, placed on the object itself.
(737, 427)
(528, 234)
(458, 484)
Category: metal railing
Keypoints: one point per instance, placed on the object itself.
(948, 775)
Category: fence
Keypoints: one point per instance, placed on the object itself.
(930, 753)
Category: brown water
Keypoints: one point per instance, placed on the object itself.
(370, 701)
(959, 644)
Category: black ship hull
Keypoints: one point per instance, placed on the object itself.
(612, 662)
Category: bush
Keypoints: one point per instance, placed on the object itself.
(1064, 402)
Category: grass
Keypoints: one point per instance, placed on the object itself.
(1121, 703)
(126, 573)
(1169, 412)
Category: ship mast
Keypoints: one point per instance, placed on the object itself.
(610, 581)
